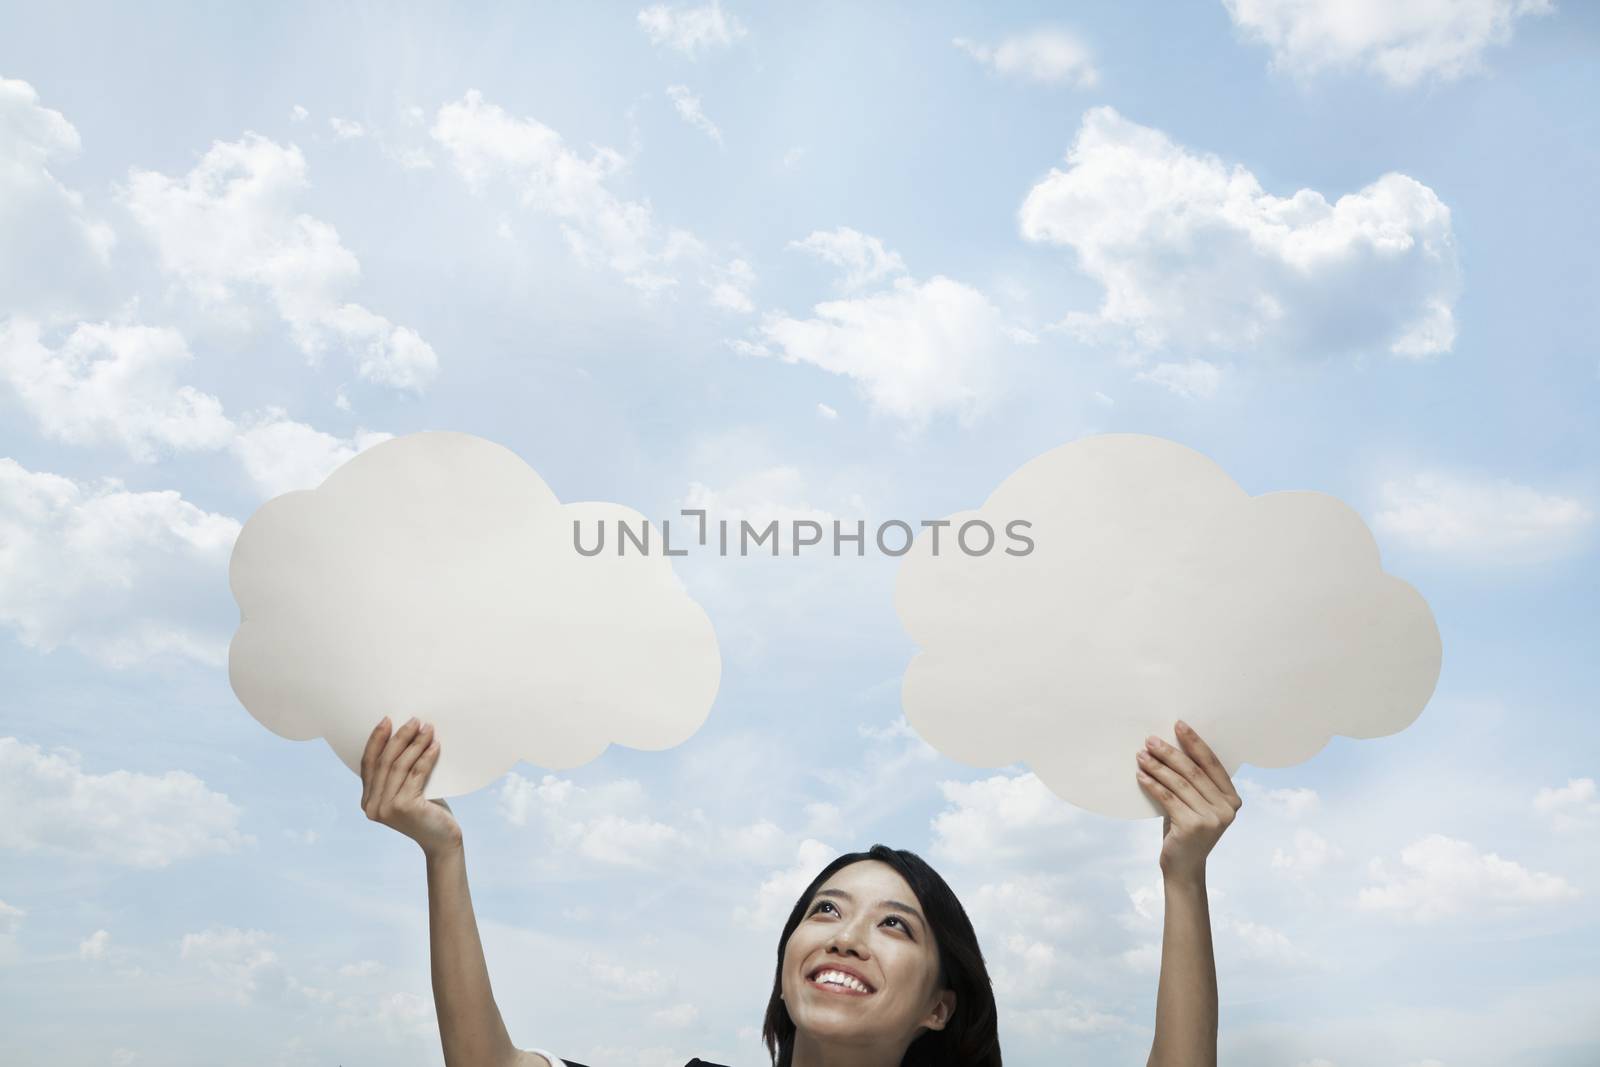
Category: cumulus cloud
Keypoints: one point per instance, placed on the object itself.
(777, 893)
(232, 226)
(111, 384)
(688, 107)
(486, 145)
(1571, 807)
(1153, 582)
(1048, 56)
(123, 577)
(54, 262)
(346, 129)
(609, 824)
(915, 350)
(1479, 518)
(117, 384)
(1289, 803)
(1195, 256)
(1441, 876)
(730, 286)
(772, 494)
(1402, 43)
(125, 817)
(694, 31)
(280, 454)
(863, 258)
(438, 573)
(1004, 819)
(94, 946)
(240, 963)
(1194, 379)
(1309, 854)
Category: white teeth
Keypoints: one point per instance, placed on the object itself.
(840, 978)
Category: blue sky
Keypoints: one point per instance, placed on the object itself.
(831, 260)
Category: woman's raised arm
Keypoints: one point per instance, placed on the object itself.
(394, 770)
(1195, 791)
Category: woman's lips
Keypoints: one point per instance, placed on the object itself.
(829, 987)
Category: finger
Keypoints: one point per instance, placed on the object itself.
(1163, 796)
(400, 780)
(397, 744)
(423, 768)
(369, 755)
(1191, 802)
(1198, 780)
(1209, 762)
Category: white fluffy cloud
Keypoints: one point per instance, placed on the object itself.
(1572, 807)
(1194, 379)
(111, 384)
(1195, 255)
(486, 144)
(280, 454)
(1003, 819)
(773, 494)
(141, 820)
(1480, 519)
(233, 226)
(1309, 854)
(1404, 43)
(54, 248)
(690, 30)
(863, 258)
(239, 962)
(120, 576)
(1045, 55)
(609, 824)
(1441, 876)
(916, 349)
(688, 107)
(94, 946)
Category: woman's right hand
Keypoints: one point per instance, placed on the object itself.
(394, 770)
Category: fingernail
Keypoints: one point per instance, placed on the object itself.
(1183, 726)
(426, 727)
(1152, 742)
(411, 720)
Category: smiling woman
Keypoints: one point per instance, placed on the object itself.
(878, 964)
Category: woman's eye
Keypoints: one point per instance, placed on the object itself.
(904, 926)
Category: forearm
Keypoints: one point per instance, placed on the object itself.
(470, 1027)
(1186, 999)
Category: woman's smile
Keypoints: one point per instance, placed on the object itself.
(836, 987)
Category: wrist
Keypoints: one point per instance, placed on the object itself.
(1184, 881)
(444, 851)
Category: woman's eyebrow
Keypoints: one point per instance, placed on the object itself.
(892, 905)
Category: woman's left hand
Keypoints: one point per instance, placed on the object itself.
(1197, 795)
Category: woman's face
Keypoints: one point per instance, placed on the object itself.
(865, 919)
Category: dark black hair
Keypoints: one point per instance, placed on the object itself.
(970, 1038)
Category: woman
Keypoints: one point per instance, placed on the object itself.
(878, 965)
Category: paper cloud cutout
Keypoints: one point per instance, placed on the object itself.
(1156, 589)
(435, 575)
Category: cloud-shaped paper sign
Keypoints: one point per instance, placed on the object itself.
(436, 575)
(1155, 589)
